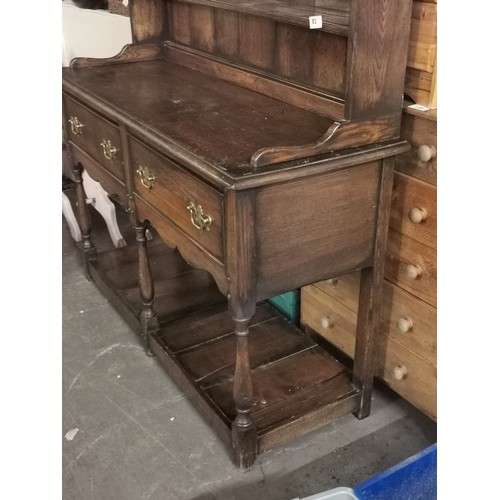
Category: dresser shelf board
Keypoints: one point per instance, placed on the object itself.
(298, 386)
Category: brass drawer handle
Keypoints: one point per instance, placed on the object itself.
(147, 177)
(108, 149)
(200, 220)
(75, 125)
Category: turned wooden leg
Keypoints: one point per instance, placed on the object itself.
(244, 433)
(370, 298)
(148, 318)
(83, 217)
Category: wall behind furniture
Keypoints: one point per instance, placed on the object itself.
(92, 33)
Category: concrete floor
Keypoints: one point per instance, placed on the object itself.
(129, 433)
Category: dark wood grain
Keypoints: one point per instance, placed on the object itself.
(370, 296)
(202, 28)
(148, 19)
(340, 215)
(378, 57)
(83, 217)
(129, 53)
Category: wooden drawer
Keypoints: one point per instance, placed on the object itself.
(420, 130)
(98, 137)
(412, 266)
(403, 317)
(172, 191)
(410, 375)
(413, 210)
(421, 66)
(109, 183)
(331, 319)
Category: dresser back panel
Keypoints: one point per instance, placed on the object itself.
(314, 58)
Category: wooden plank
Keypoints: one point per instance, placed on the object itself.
(329, 63)
(203, 28)
(226, 33)
(423, 37)
(293, 52)
(213, 363)
(147, 20)
(201, 326)
(312, 413)
(179, 19)
(377, 56)
(277, 382)
(180, 295)
(257, 41)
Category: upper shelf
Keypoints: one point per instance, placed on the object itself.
(335, 13)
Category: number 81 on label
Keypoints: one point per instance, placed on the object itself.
(315, 22)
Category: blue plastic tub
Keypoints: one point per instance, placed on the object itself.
(412, 479)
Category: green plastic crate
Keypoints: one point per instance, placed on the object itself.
(288, 304)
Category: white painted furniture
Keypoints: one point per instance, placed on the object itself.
(92, 33)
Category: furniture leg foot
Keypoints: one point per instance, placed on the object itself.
(244, 438)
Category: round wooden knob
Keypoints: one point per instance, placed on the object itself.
(333, 281)
(413, 271)
(405, 324)
(326, 322)
(417, 215)
(426, 153)
(400, 372)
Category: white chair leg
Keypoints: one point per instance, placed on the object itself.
(99, 199)
(69, 215)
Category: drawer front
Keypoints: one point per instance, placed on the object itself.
(421, 67)
(412, 266)
(410, 375)
(332, 320)
(171, 191)
(421, 160)
(413, 210)
(109, 183)
(410, 321)
(98, 137)
(423, 37)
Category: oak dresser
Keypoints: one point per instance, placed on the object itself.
(256, 142)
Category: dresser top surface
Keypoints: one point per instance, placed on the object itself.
(220, 123)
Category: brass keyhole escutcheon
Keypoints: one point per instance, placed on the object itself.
(147, 177)
(75, 125)
(200, 220)
(108, 149)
